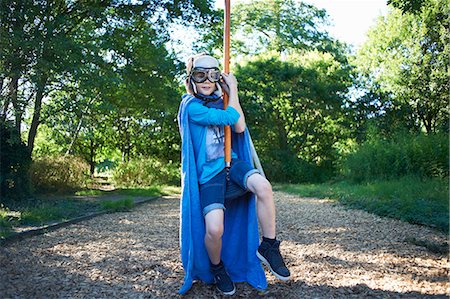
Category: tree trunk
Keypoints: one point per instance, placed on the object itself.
(126, 144)
(37, 113)
(80, 123)
(13, 90)
(6, 105)
(91, 157)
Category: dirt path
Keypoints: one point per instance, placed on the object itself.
(332, 253)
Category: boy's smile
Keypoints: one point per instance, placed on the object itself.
(206, 88)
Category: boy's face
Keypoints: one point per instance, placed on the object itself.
(206, 88)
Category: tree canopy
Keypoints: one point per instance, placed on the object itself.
(100, 79)
(406, 58)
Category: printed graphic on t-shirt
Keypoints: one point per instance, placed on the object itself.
(214, 142)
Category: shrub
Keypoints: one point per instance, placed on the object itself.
(146, 171)
(15, 161)
(284, 167)
(59, 174)
(418, 155)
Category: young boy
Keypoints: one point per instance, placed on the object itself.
(202, 120)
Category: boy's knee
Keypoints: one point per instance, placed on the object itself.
(264, 189)
(214, 232)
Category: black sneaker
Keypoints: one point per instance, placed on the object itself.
(271, 256)
(223, 281)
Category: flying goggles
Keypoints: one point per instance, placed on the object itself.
(200, 75)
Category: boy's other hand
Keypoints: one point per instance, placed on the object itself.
(231, 82)
(225, 87)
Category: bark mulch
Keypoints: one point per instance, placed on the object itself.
(332, 252)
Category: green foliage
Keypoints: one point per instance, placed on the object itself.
(110, 81)
(47, 142)
(59, 174)
(37, 212)
(151, 191)
(122, 205)
(15, 161)
(154, 190)
(293, 107)
(412, 199)
(408, 5)
(421, 155)
(7, 219)
(121, 103)
(103, 67)
(46, 211)
(278, 25)
(146, 171)
(90, 192)
(285, 167)
(406, 59)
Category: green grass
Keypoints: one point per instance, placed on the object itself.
(149, 191)
(91, 192)
(55, 210)
(7, 219)
(45, 210)
(122, 205)
(143, 191)
(41, 211)
(409, 198)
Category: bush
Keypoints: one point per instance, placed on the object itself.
(59, 174)
(15, 161)
(417, 155)
(284, 167)
(146, 171)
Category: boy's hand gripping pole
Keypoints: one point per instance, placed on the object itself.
(226, 67)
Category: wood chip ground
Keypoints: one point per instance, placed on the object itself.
(332, 252)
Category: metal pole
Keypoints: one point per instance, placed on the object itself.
(226, 66)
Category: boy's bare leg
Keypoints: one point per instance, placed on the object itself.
(265, 205)
(213, 235)
(213, 243)
(268, 251)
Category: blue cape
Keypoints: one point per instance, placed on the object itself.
(240, 239)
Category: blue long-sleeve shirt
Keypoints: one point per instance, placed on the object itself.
(207, 134)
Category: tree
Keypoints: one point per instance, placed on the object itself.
(412, 6)
(295, 108)
(293, 79)
(271, 25)
(47, 44)
(278, 25)
(406, 58)
(15, 161)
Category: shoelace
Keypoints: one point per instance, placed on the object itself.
(220, 274)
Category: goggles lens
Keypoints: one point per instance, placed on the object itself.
(200, 75)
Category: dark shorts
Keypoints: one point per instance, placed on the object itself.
(215, 192)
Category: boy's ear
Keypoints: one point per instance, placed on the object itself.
(190, 88)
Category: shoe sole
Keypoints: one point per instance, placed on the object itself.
(230, 293)
(262, 259)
